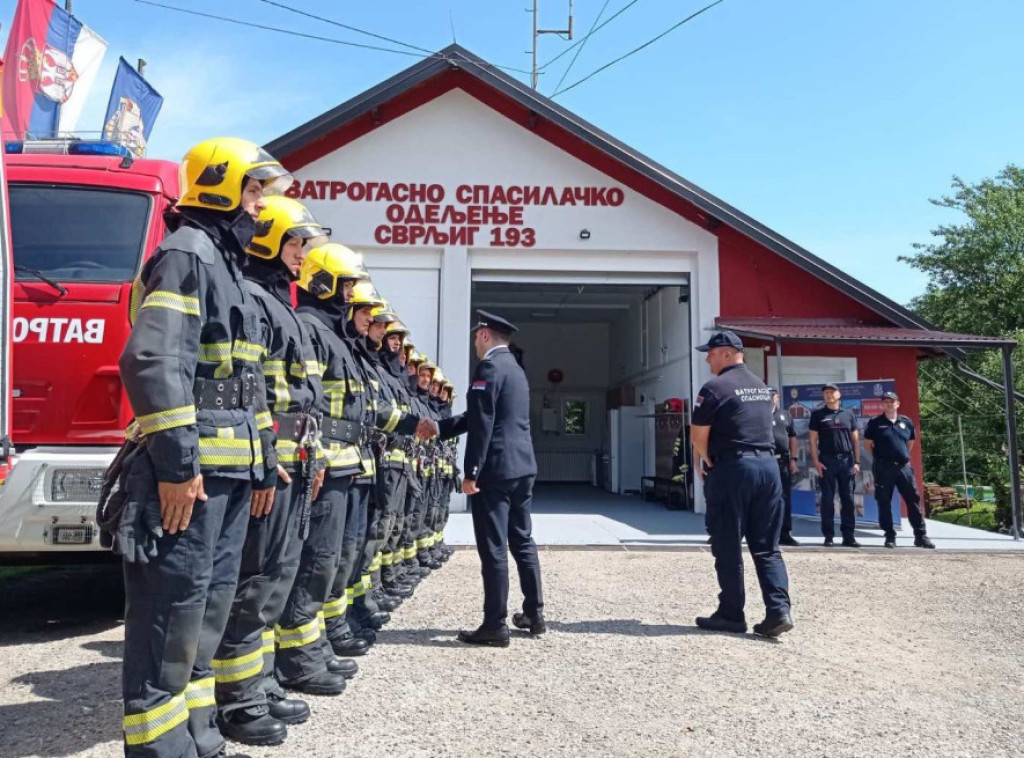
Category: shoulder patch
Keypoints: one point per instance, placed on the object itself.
(188, 239)
(478, 386)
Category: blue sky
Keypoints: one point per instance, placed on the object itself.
(831, 122)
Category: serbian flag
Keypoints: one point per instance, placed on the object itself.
(51, 62)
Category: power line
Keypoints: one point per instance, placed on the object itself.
(583, 43)
(641, 47)
(572, 47)
(355, 29)
(289, 32)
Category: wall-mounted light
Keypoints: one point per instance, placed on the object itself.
(584, 234)
(684, 293)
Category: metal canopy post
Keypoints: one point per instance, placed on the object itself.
(778, 369)
(1011, 433)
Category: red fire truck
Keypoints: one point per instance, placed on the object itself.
(83, 217)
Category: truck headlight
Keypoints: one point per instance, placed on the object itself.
(76, 485)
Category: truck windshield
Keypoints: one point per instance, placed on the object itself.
(77, 233)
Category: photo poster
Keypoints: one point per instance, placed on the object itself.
(865, 399)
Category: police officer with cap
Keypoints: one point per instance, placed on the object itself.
(785, 454)
(835, 453)
(731, 432)
(889, 438)
(500, 469)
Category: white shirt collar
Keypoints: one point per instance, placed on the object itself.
(494, 349)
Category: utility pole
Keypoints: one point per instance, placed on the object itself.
(536, 33)
(67, 5)
(963, 462)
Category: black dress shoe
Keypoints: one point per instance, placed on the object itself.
(347, 668)
(788, 540)
(324, 683)
(252, 727)
(716, 623)
(486, 637)
(829, 542)
(890, 541)
(286, 709)
(535, 624)
(350, 645)
(850, 542)
(923, 541)
(773, 626)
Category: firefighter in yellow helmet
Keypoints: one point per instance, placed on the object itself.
(244, 663)
(303, 660)
(201, 436)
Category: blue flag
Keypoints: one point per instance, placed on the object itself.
(133, 107)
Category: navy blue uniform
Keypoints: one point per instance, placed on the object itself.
(742, 489)
(499, 456)
(782, 432)
(835, 451)
(892, 470)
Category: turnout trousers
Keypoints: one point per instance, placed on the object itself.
(838, 478)
(392, 484)
(176, 609)
(393, 552)
(744, 499)
(298, 633)
(415, 508)
(890, 476)
(270, 559)
(346, 573)
(502, 523)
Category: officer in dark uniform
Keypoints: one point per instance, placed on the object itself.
(499, 472)
(731, 432)
(835, 453)
(785, 454)
(889, 438)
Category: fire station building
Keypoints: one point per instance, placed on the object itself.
(466, 189)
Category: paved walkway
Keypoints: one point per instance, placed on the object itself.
(581, 515)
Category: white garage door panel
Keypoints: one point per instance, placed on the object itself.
(412, 292)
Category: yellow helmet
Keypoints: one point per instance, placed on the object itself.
(282, 216)
(415, 358)
(327, 265)
(397, 327)
(383, 314)
(212, 172)
(364, 295)
(438, 377)
(426, 363)
(448, 384)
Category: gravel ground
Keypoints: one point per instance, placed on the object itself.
(910, 653)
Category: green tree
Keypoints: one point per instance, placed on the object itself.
(976, 284)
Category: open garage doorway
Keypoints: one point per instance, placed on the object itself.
(609, 368)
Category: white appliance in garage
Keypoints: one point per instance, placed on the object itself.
(631, 447)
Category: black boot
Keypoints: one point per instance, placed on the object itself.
(486, 637)
(252, 726)
(288, 710)
(349, 646)
(347, 668)
(324, 683)
(773, 626)
(398, 590)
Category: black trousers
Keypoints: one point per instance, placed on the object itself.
(744, 499)
(838, 477)
(891, 476)
(501, 522)
(787, 495)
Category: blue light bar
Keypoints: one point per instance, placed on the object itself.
(96, 147)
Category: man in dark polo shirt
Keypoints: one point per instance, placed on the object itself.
(785, 453)
(731, 432)
(889, 439)
(835, 453)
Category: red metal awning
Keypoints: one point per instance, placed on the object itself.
(855, 333)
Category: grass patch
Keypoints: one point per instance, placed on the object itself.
(982, 516)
